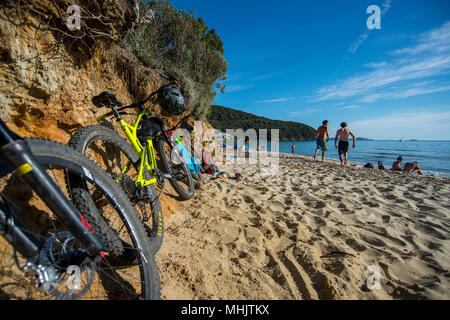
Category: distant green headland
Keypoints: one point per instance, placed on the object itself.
(223, 118)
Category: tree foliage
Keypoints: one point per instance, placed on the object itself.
(183, 48)
(223, 118)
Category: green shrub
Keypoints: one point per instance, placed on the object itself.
(184, 49)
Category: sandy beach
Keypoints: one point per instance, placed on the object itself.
(313, 231)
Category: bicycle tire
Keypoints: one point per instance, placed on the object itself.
(167, 166)
(198, 177)
(86, 136)
(53, 155)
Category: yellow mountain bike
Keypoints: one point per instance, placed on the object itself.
(133, 164)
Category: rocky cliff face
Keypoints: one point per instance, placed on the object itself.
(48, 74)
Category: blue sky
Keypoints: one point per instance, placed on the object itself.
(308, 61)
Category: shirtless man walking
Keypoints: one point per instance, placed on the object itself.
(343, 133)
(321, 143)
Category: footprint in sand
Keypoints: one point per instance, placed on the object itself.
(320, 205)
(263, 190)
(411, 240)
(430, 231)
(386, 218)
(391, 196)
(355, 245)
(425, 208)
(298, 216)
(280, 230)
(435, 246)
(320, 222)
(372, 204)
(268, 234)
(277, 206)
(288, 201)
(373, 240)
(412, 197)
(342, 206)
(256, 222)
(219, 186)
(248, 199)
(336, 267)
(293, 226)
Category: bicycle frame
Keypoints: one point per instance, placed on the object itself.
(146, 154)
(189, 158)
(15, 156)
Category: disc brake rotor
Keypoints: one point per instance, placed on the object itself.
(73, 272)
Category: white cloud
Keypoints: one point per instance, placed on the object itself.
(266, 76)
(355, 45)
(237, 87)
(275, 100)
(363, 37)
(434, 41)
(430, 57)
(376, 65)
(350, 107)
(406, 93)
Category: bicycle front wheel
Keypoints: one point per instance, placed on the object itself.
(126, 271)
(112, 152)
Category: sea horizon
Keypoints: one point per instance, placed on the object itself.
(434, 158)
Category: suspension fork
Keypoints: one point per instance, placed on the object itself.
(14, 232)
(19, 155)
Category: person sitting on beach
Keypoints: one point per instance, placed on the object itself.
(244, 149)
(343, 135)
(321, 143)
(396, 165)
(413, 167)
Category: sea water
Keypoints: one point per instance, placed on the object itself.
(432, 156)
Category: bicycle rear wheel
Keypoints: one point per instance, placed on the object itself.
(127, 271)
(112, 152)
(172, 162)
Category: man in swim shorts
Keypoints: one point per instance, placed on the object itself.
(321, 132)
(342, 134)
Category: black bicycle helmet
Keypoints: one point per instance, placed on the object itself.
(171, 99)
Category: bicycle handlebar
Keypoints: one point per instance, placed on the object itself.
(114, 102)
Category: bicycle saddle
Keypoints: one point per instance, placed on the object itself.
(106, 99)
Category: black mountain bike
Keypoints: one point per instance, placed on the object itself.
(93, 247)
